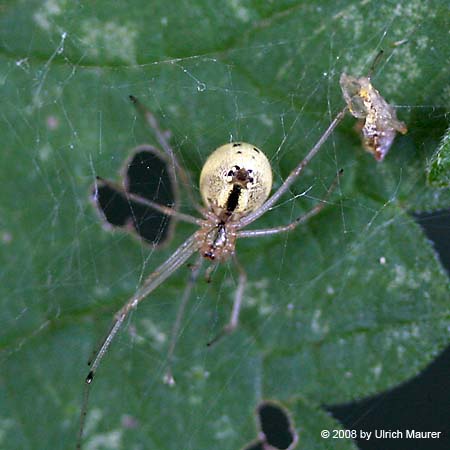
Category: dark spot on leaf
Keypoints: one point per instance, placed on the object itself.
(148, 177)
(276, 429)
(436, 225)
(275, 425)
(237, 144)
(256, 150)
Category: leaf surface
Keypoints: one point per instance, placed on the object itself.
(349, 304)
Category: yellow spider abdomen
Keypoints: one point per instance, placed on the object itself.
(236, 178)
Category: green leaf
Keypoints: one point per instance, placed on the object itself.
(351, 303)
(439, 164)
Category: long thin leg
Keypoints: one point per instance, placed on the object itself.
(239, 295)
(301, 219)
(162, 139)
(156, 206)
(179, 257)
(168, 377)
(375, 63)
(209, 271)
(293, 175)
(165, 209)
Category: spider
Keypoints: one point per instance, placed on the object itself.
(235, 184)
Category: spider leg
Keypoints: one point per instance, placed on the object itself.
(172, 212)
(166, 209)
(246, 220)
(209, 272)
(234, 318)
(178, 258)
(301, 219)
(162, 138)
(168, 377)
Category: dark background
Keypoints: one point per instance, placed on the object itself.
(422, 403)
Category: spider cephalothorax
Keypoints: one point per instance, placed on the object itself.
(219, 241)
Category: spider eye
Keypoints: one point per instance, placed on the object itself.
(224, 164)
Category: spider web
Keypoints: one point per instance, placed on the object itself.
(348, 305)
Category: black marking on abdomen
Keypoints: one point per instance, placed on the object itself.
(233, 198)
